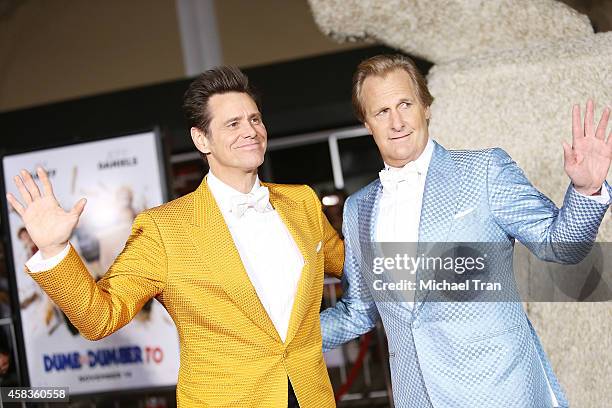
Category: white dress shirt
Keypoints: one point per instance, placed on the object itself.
(268, 252)
(399, 209)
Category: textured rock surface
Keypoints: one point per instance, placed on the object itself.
(521, 100)
(443, 30)
(507, 74)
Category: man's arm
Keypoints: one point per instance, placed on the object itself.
(100, 308)
(355, 313)
(96, 309)
(563, 235)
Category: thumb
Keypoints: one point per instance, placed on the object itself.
(568, 154)
(79, 207)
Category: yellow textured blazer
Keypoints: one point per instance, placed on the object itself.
(182, 253)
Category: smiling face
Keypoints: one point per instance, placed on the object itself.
(236, 138)
(395, 116)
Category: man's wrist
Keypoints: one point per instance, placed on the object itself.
(51, 251)
(589, 191)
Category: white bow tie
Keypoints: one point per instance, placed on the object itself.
(258, 200)
(391, 179)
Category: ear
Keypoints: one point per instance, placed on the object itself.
(200, 140)
(368, 127)
(427, 113)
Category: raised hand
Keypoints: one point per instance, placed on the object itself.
(587, 160)
(48, 224)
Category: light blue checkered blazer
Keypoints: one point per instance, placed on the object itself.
(464, 354)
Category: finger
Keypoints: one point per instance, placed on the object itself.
(577, 131)
(588, 119)
(79, 207)
(30, 184)
(600, 133)
(20, 209)
(44, 179)
(25, 194)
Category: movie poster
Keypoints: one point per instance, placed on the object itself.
(120, 177)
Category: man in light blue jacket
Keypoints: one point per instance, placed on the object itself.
(464, 350)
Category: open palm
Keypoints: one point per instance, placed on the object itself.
(588, 159)
(48, 224)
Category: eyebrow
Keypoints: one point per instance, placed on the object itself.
(230, 120)
(383, 107)
(378, 109)
(237, 118)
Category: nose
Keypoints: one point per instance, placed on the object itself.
(396, 122)
(250, 132)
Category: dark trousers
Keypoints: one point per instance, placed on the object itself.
(293, 402)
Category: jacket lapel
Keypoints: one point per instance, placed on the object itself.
(437, 210)
(439, 197)
(367, 214)
(367, 210)
(294, 216)
(210, 235)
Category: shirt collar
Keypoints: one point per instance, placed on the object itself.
(223, 193)
(422, 162)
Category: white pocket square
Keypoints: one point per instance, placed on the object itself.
(319, 246)
(463, 213)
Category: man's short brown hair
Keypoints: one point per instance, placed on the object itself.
(381, 65)
(218, 80)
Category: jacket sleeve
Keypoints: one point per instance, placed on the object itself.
(98, 309)
(355, 313)
(563, 235)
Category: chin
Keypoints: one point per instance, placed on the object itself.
(404, 157)
(253, 163)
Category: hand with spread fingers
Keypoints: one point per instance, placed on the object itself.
(48, 224)
(587, 160)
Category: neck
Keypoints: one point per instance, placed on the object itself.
(398, 164)
(239, 180)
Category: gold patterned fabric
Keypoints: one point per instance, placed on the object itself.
(182, 253)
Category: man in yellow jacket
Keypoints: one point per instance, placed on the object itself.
(237, 263)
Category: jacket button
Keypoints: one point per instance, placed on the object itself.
(416, 324)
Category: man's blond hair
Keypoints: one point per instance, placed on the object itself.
(381, 65)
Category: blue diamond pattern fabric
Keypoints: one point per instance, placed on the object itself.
(464, 354)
